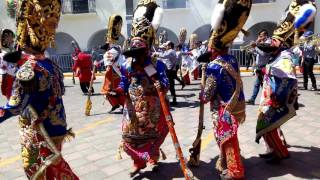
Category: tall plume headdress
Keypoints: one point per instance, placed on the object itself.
(146, 21)
(299, 16)
(228, 18)
(114, 29)
(37, 21)
(182, 35)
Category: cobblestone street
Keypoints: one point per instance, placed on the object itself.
(92, 154)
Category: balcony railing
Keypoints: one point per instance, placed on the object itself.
(78, 6)
(263, 1)
(173, 4)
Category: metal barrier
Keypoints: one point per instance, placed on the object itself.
(244, 60)
(64, 61)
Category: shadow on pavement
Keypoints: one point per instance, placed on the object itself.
(206, 171)
(186, 95)
(184, 104)
(303, 164)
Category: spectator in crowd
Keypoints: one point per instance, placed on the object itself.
(308, 61)
(262, 59)
(169, 58)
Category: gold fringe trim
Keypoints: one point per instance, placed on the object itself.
(120, 149)
(69, 136)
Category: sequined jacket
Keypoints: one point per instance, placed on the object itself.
(127, 73)
(142, 110)
(37, 97)
(224, 87)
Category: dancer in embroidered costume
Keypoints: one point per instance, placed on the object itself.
(144, 125)
(43, 123)
(224, 88)
(112, 61)
(279, 96)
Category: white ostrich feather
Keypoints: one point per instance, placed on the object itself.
(157, 18)
(217, 16)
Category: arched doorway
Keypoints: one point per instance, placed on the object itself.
(171, 35)
(255, 29)
(203, 32)
(63, 44)
(98, 39)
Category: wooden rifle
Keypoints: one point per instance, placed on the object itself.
(151, 71)
(195, 150)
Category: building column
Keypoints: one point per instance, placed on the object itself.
(317, 20)
(129, 16)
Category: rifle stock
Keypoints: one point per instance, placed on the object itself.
(195, 150)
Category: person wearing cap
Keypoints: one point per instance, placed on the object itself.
(280, 86)
(37, 94)
(224, 88)
(144, 127)
(262, 59)
(112, 61)
(308, 61)
(169, 57)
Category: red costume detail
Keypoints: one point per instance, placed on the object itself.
(83, 67)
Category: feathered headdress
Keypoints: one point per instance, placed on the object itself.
(193, 41)
(146, 21)
(37, 21)
(114, 28)
(228, 18)
(182, 35)
(300, 14)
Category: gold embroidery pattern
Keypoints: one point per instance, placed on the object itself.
(235, 15)
(211, 86)
(234, 106)
(35, 22)
(142, 28)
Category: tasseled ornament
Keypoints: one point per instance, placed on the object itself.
(163, 155)
(219, 165)
(120, 149)
(69, 136)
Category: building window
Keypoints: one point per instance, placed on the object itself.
(78, 6)
(173, 4)
(263, 1)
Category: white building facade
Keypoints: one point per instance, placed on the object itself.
(85, 21)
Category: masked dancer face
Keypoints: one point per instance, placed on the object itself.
(7, 39)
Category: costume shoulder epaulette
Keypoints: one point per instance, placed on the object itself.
(26, 72)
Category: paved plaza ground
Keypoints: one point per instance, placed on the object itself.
(92, 154)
